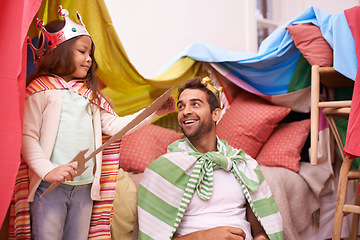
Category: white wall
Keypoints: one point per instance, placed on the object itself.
(155, 31)
(290, 9)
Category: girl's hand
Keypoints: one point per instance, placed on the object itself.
(167, 107)
(62, 173)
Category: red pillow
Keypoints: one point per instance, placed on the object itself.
(138, 149)
(284, 146)
(249, 122)
(310, 42)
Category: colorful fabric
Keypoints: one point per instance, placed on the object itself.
(53, 82)
(102, 210)
(170, 181)
(278, 67)
(19, 224)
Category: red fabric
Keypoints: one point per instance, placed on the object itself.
(15, 18)
(352, 146)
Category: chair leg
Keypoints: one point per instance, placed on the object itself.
(355, 221)
(341, 197)
(315, 89)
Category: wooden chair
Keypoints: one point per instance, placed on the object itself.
(344, 176)
(332, 80)
(334, 109)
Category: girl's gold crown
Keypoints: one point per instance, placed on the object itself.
(217, 91)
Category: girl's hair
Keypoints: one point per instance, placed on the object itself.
(195, 83)
(60, 60)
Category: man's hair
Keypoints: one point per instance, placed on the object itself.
(195, 83)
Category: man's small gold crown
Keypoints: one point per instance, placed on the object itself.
(217, 91)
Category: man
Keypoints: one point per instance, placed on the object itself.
(203, 188)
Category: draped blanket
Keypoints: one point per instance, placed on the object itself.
(103, 209)
(170, 181)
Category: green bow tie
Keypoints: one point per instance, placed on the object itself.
(202, 176)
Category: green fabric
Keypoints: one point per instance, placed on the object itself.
(170, 181)
(302, 76)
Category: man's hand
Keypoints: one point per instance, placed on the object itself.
(62, 173)
(218, 233)
(261, 236)
(167, 107)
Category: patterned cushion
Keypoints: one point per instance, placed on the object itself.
(310, 42)
(138, 149)
(284, 146)
(249, 122)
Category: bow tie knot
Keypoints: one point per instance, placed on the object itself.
(203, 173)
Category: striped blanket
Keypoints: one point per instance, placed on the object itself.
(19, 225)
(170, 181)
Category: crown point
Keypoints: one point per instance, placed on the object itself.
(39, 24)
(63, 12)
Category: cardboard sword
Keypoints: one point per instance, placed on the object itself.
(80, 157)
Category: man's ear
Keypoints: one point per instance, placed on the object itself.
(216, 114)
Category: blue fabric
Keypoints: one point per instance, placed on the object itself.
(271, 69)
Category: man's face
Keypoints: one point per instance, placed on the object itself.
(194, 117)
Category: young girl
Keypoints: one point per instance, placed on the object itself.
(64, 114)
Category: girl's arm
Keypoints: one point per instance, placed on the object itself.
(33, 121)
(113, 124)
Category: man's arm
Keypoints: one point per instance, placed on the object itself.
(257, 230)
(218, 233)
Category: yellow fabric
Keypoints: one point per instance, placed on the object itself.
(124, 207)
(127, 89)
(181, 71)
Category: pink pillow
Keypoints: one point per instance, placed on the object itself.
(249, 122)
(284, 146)
(310, 42)
(138, 149)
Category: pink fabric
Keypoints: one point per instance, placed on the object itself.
(16, 17)
(352, 145)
